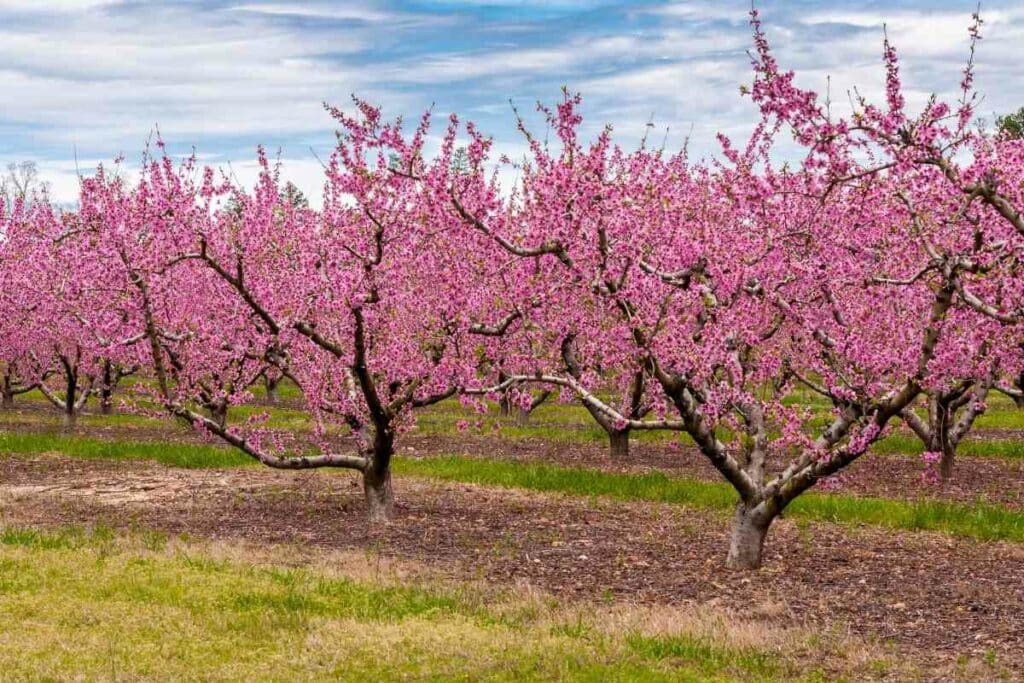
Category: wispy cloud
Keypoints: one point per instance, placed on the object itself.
(96, 76)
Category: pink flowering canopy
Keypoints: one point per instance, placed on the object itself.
(723, 299)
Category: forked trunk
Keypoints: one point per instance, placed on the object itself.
(618, 441)
(380, 498)
(749, 530)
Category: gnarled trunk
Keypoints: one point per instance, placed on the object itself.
(618, 441)
(948, 455)
(749, 530)
(380, 498)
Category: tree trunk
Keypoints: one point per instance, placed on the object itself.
(8, 389)
(271, 386)
(618, 444)
(380, 498)
(750, 528)
(70, 401)
(106, 402)
(946, 461)
(107, 389)
(522, 416)
(942, 441)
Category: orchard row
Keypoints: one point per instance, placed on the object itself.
(880, 273)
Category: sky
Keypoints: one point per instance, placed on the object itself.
(84, 81)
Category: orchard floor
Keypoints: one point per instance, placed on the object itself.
(995, 480)
(938, 606)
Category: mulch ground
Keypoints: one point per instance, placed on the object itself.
(935, 597)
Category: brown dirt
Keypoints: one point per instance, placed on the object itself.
(935, 597)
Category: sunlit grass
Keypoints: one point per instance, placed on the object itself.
(907, 444)
(94, 605)
(166, 453)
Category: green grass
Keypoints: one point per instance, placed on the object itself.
(166, 453)
(907, 444)
(92, 605)
(703, 652)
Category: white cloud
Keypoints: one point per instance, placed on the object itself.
(317, 11)
(226, 76)
(46, 6)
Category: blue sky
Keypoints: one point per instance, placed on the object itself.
(94, 77)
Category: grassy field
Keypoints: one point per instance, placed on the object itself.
(95, 605)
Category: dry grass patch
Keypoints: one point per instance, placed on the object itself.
(97, 605)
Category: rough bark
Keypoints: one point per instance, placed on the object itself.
(380, 497)
(618, 443)
(948, 450)
(749, 530)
